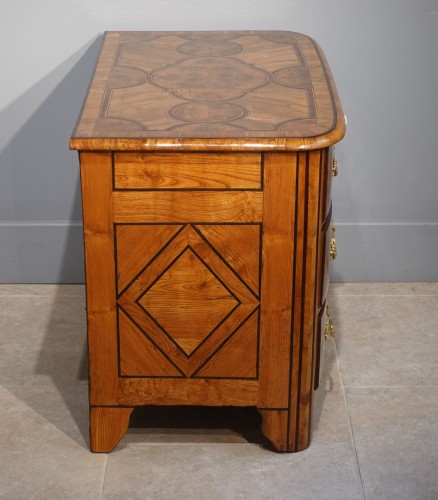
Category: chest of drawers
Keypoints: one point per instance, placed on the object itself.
(205, 164)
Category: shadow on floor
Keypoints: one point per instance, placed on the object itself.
(224, 421)
(39, 156)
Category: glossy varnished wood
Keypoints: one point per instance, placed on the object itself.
(304, 308)
(187, 171)
(100, 276)
(184, 206)
(265, 90)
(278, 250)
(107, 427)
(205, 171)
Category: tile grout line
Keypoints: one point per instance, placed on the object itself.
(350, 425)
(179, 446)
(383, 295)
(103, 476)
(42, 295)
(73, 385)
(37, 295)
(52, 290)
(390, 386)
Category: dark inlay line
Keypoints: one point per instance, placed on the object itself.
(294, 284)
(210, 245)
(156, 255)
(152, 341)
(224, 342)
(303, 294)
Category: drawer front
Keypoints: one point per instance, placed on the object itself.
(194, 171)
(327, 182)
(319, 345)
(326, 235)
(325, 242)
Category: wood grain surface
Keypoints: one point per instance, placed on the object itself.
(137, 171)
(206, 186)
(107, 427)
(266, 90)
(100, 276)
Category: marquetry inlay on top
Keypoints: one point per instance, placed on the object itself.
(210, 90)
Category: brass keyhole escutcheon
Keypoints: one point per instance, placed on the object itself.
(329, 327)
(333, 249)
(334, 166)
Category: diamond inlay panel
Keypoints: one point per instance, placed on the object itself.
(191, 301)
(188, 301)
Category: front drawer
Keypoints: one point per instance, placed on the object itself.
(145, 171)
(320, 344)
(325, 242)
(327, 182)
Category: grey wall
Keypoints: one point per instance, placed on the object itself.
(384, 56)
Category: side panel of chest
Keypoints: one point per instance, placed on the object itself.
(205, 288)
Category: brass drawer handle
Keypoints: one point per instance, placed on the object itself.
(334, 166)
(333, 249)
(329, 327)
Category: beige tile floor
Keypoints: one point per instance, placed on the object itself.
(376, 415)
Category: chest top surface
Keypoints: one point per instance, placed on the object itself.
(232, 90)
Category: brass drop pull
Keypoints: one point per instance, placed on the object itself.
(334, 166)
(333, 249)
(329, 327)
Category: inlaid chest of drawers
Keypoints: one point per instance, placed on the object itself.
(206, 162)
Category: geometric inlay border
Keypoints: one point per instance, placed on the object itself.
(238, 299)
(196, 300)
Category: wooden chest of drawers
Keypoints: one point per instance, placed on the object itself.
(205, 170)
